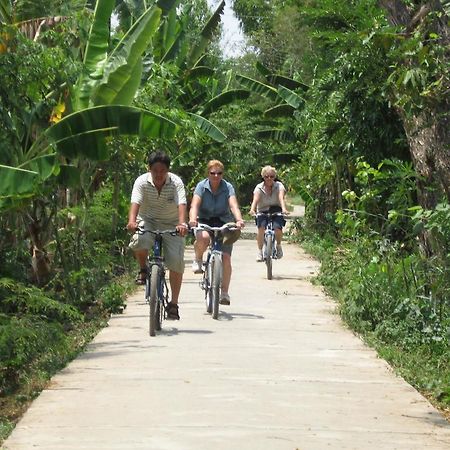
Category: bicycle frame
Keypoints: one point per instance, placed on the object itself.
(269, 246)
(156, 288)
(213, 268)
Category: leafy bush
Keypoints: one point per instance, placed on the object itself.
(22, 341)
(112, 297)
(397, 300)
(21, 300)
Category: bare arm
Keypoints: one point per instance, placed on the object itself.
(132, 217)
(182, 226)
(256, 198)
(281, 196)
(193, 212)
(234, 207)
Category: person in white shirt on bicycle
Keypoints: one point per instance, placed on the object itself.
(269, 197)
(158, 202)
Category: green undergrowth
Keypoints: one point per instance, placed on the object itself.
(40, 335)
(26, 372)
(395, 300)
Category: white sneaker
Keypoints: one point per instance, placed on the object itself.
(279, 252)
(224, 298)
(197, 266)
(259, 257)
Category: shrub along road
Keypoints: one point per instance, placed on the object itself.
(277, 371)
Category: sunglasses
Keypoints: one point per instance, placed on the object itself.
(215, 173)
(269, 176)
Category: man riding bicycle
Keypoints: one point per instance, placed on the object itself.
(158, 202)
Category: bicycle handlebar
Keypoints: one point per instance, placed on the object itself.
(226, 226)
(270, 214)
(140, 230)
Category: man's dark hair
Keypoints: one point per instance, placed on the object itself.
(158, 157)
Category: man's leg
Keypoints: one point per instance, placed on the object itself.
(175, 279)
(141, 258)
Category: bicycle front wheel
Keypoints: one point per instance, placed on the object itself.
(153, 300)
(216, 280)
(207, 285)
(268, 254)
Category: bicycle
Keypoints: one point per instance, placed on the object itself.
(212, 267)
(156, 288)
(269, 246)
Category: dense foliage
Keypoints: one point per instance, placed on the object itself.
(373, 165)
(348, 98)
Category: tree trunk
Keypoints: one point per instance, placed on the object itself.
(427, 128)
(38, 225)
(428, 135)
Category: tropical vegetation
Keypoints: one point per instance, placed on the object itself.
(348, 98)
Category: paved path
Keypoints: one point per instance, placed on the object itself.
(277, 371)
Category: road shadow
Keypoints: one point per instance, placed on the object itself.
(231, 316)
(173, 331)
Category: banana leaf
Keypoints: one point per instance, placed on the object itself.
(121, 73)
(257, 87)
(283, 110)
(277, 134)
(16, 182)
(290, 97)
(84, 131)
(96, 53)
(198, 72)
(286, 82)
(223, 99)
(206, 35)
(208, 128)
(262, 69)
(166, 6)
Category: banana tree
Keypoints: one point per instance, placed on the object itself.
(282, 93)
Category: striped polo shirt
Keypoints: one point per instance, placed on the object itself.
(163, 206)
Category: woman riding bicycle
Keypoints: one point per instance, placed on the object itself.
(268, 197)
(214, 203)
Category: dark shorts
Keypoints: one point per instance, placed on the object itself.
(278, 221)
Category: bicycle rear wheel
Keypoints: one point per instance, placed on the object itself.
(268, 255)
(216, 279)
(153, 300)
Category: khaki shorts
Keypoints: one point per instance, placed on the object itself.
(173, 246)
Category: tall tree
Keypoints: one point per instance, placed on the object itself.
(420, 86)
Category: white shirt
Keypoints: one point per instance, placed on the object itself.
(266, 200)
(161, 206)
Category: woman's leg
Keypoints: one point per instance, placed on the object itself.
(226, 277)
(201, 244)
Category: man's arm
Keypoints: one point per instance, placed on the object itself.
(182, 225)
(132, 217)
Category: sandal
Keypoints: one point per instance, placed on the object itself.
(141, 276)
(172, 311)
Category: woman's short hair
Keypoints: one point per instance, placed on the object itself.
(214, 163)
(266, 169)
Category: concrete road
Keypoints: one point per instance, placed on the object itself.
(277, 371)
